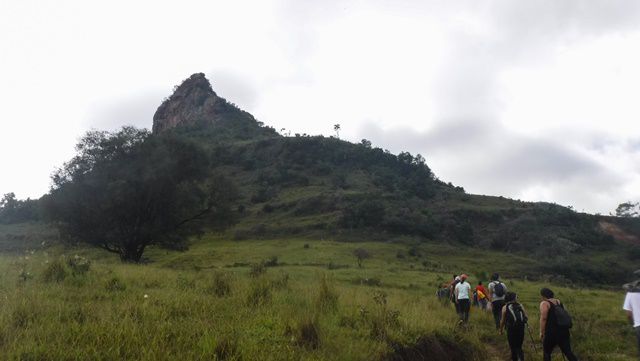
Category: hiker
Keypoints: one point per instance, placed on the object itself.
(497, 291)
(452, 295)
(632, 305)
(463, 291)
(555, 323)
(481, 292)
(514, 317)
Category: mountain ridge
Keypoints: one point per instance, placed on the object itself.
(324, 187)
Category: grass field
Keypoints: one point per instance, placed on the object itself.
(310, 302)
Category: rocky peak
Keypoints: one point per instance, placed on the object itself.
(192, 102)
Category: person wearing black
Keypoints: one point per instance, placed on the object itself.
(514, 317)
(497, 291)
(554, 329)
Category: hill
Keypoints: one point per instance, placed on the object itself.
(319, 187)
(327, 188)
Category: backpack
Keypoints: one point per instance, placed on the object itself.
(515, 315)
(563, 318)
(498, 289)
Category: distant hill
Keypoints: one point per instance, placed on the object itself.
(316, 186)
(320, 187)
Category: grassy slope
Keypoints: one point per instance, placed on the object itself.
(182, 318)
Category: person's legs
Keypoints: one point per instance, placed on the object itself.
(465, 306)
(548, 344)
(518, 341)
(564, 341)
(511, 338)
(497, 311)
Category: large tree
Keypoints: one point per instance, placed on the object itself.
(126, 190)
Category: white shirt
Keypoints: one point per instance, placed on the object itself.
(463, 289)
(632, 303)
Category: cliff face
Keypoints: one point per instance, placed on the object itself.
(194, 101)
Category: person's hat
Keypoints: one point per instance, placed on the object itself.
(457, 278)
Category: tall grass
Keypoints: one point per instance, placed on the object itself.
(168, 310)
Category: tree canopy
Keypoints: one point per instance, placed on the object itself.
(126, 190)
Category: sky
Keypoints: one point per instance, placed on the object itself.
(532, 100)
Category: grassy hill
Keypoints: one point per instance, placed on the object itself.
(275, 300)
(282, 282)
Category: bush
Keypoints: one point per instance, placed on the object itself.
(281, 282)
(221, 285)
(327, 298)
(227, 349)
(271, 262)
(55, 272)
(115, 284)
(257, 269)
(306, 334)
(259, 293)
(79, 265)
(361, 254)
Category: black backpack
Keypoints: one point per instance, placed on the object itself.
(515, 315)
(498, 289)
(563, 318)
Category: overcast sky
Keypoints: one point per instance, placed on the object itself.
(535, 100)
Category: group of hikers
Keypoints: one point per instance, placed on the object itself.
(511, 316)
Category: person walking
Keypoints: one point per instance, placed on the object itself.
(632, 305)
(482, 296)
(497, 291)
(452, 292)
(463, 293)
(514, 317)
(555, 323)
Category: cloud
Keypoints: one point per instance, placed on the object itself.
(132, 109)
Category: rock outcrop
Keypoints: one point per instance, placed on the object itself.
(193, 102)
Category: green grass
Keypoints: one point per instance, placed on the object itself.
(177, 305)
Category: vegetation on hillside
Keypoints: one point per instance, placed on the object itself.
(306, 303)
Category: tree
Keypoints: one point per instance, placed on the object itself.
(127, 190)
(628, 210)
(13, 210)
(361, 254)
(336, 128)
(366, 143)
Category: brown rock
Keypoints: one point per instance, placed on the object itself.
(193, 102)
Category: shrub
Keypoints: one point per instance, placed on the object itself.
(227, 349)
(271, 262)
(55, 272)
(259, 293)
(281, 282)
(361, 254)
(79, 265)
(221, 285)
(327, 298)
(257, 269)
(306, 334)
(115, 284)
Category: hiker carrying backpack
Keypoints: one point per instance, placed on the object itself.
(555, 323)
(497, 292)
(514, 317)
